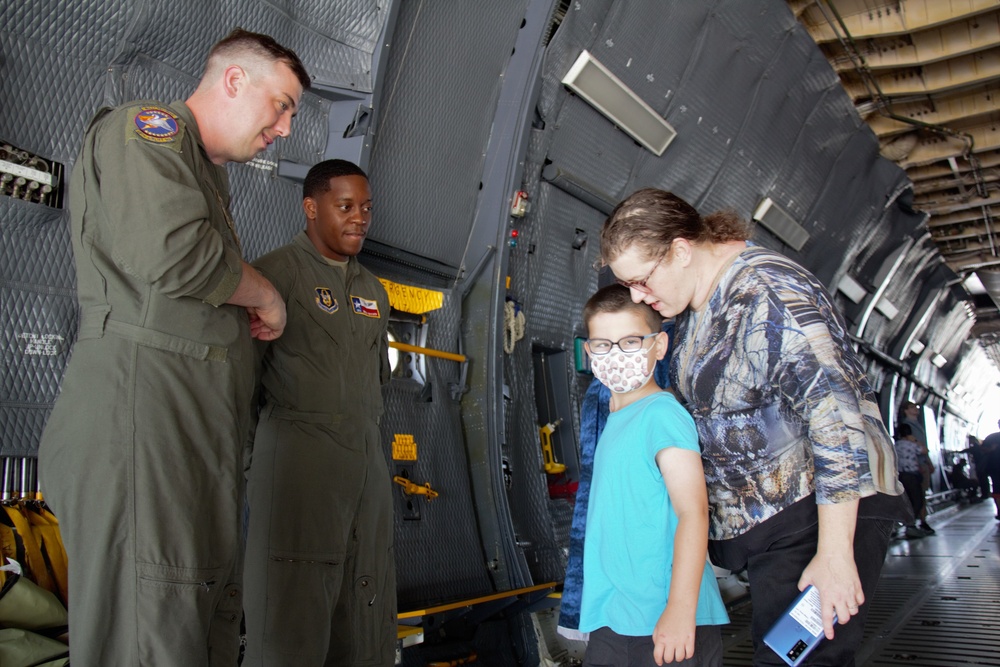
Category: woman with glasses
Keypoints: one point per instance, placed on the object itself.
(800, 469)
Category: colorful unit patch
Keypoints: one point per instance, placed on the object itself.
(156, 124)
(365, 307)
(325, 300)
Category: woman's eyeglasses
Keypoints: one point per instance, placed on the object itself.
(640, 285)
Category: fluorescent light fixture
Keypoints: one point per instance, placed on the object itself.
(938, 360)
(781, 224)
(974, 284)
(852, 289)
(917, 347)
(885, 307)
(605, 92)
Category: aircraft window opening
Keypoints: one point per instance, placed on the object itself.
(408, 365)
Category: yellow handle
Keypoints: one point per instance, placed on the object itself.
(409, 488)
(403, 347)
(548, 458)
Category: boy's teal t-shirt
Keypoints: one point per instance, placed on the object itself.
(628, 550)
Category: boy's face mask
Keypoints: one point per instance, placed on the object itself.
(622, 372)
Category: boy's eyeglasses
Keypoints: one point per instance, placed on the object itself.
(640, 285)
(602, 346)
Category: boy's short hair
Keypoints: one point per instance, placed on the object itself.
(903, 431)
(618, 299)
(317, 180)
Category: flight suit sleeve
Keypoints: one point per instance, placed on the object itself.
(161, 231)
(281, 277)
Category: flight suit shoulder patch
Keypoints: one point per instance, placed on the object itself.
(325, 300)
(156, 125)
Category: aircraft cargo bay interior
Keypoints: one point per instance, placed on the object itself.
(315, 313)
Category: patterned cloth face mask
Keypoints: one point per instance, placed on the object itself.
(622, 372)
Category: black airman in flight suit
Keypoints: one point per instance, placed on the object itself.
(320, 578)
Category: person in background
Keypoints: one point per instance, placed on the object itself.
(801, 472)
(991, 467)
(960, 480)
(978, 454)
(141, 459)
(910, 474)
(649, 594)
(909, 414)
(321, 587)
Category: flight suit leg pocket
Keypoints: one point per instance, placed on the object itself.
(174, 610)
(374, 613)
(297, 624)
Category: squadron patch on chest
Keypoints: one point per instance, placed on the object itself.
(325, 300)
(365, 307)
(157, 125)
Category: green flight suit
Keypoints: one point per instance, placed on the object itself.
(319, 572)
(141, 460)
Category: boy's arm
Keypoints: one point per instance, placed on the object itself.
(673, 636)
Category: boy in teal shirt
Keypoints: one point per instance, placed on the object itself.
(649, 595)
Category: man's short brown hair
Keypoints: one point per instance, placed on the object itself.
(242, 42)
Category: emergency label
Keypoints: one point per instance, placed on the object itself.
(411, 299)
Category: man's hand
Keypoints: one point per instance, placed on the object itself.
(267, 323)
(263, 303)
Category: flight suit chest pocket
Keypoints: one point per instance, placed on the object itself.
(367, 321)
(320, 313)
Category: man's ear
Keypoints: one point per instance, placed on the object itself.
(234, 78)
(309, 208)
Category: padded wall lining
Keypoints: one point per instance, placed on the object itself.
(60, 61)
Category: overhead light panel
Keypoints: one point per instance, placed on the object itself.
(917, 347)
(779, 223)
(886, 307)
(852, 289)
(595, 83)
(938, 360)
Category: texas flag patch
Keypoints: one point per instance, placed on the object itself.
(365, 307)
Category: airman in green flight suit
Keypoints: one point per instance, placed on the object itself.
(320, 578)
(142, 457)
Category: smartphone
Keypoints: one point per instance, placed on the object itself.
(799, 629)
